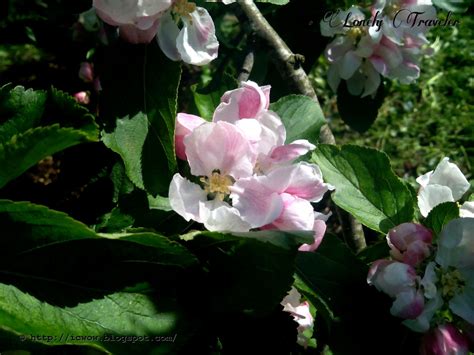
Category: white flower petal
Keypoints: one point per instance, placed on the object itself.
(467, 209)
(448, 174)
(168, 32)
(221, 217)
(456, 244)
(185, 197)
(463, 304)
(433, 195)
(197, 42)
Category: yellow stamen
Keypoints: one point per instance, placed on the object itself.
(217, 185)
(184, 8)
(355, 32)
(452, 283)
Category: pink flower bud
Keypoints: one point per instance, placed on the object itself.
(86, 72)
(392, 277)
(185, 124)
(444, 340)
(82, 97)
(410, 243)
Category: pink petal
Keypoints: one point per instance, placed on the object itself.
(319, 229)
(257, 204)
(248, 101)
(133, 34)
(219, 146)
(297, 214)
(185, 124)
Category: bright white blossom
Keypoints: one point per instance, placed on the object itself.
(444, 184)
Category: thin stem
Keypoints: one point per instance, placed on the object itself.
(288, 62)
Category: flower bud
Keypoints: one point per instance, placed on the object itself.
(409, 243)
(444, 340)
(391, 277)
(82, 97)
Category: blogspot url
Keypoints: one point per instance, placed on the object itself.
(99, 338)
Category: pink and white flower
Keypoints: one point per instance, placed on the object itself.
(449, 278)
(270, 193)
(196, 42)
(444, 184)
(220, 154)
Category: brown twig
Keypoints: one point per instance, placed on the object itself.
(294, 72)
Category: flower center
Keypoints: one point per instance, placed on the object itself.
(356, 33)
(217, 185)
(183, 8)
(452, 283)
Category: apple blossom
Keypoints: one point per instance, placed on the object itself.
(272, 193)
(220, 155)
(301, 314)
(447, 283)
(196, 42)
(409, 243)
(445, 184)
(446, 339)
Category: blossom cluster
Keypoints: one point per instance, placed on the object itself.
(388, 39)
(183, 30)
(432, 279)
(243, 174)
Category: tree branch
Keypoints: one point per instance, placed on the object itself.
(293, 71)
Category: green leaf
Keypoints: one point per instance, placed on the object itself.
(453, 5)
(209, 97)
(24, 150)
(365, 185)
(127, 140)
(62, 108)
(140, 85)
(441, 215)
(20, 110)
(258, 267)
(91, 324)
(379, 250)
(357, 112)
(26, 226)
(302, 117)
